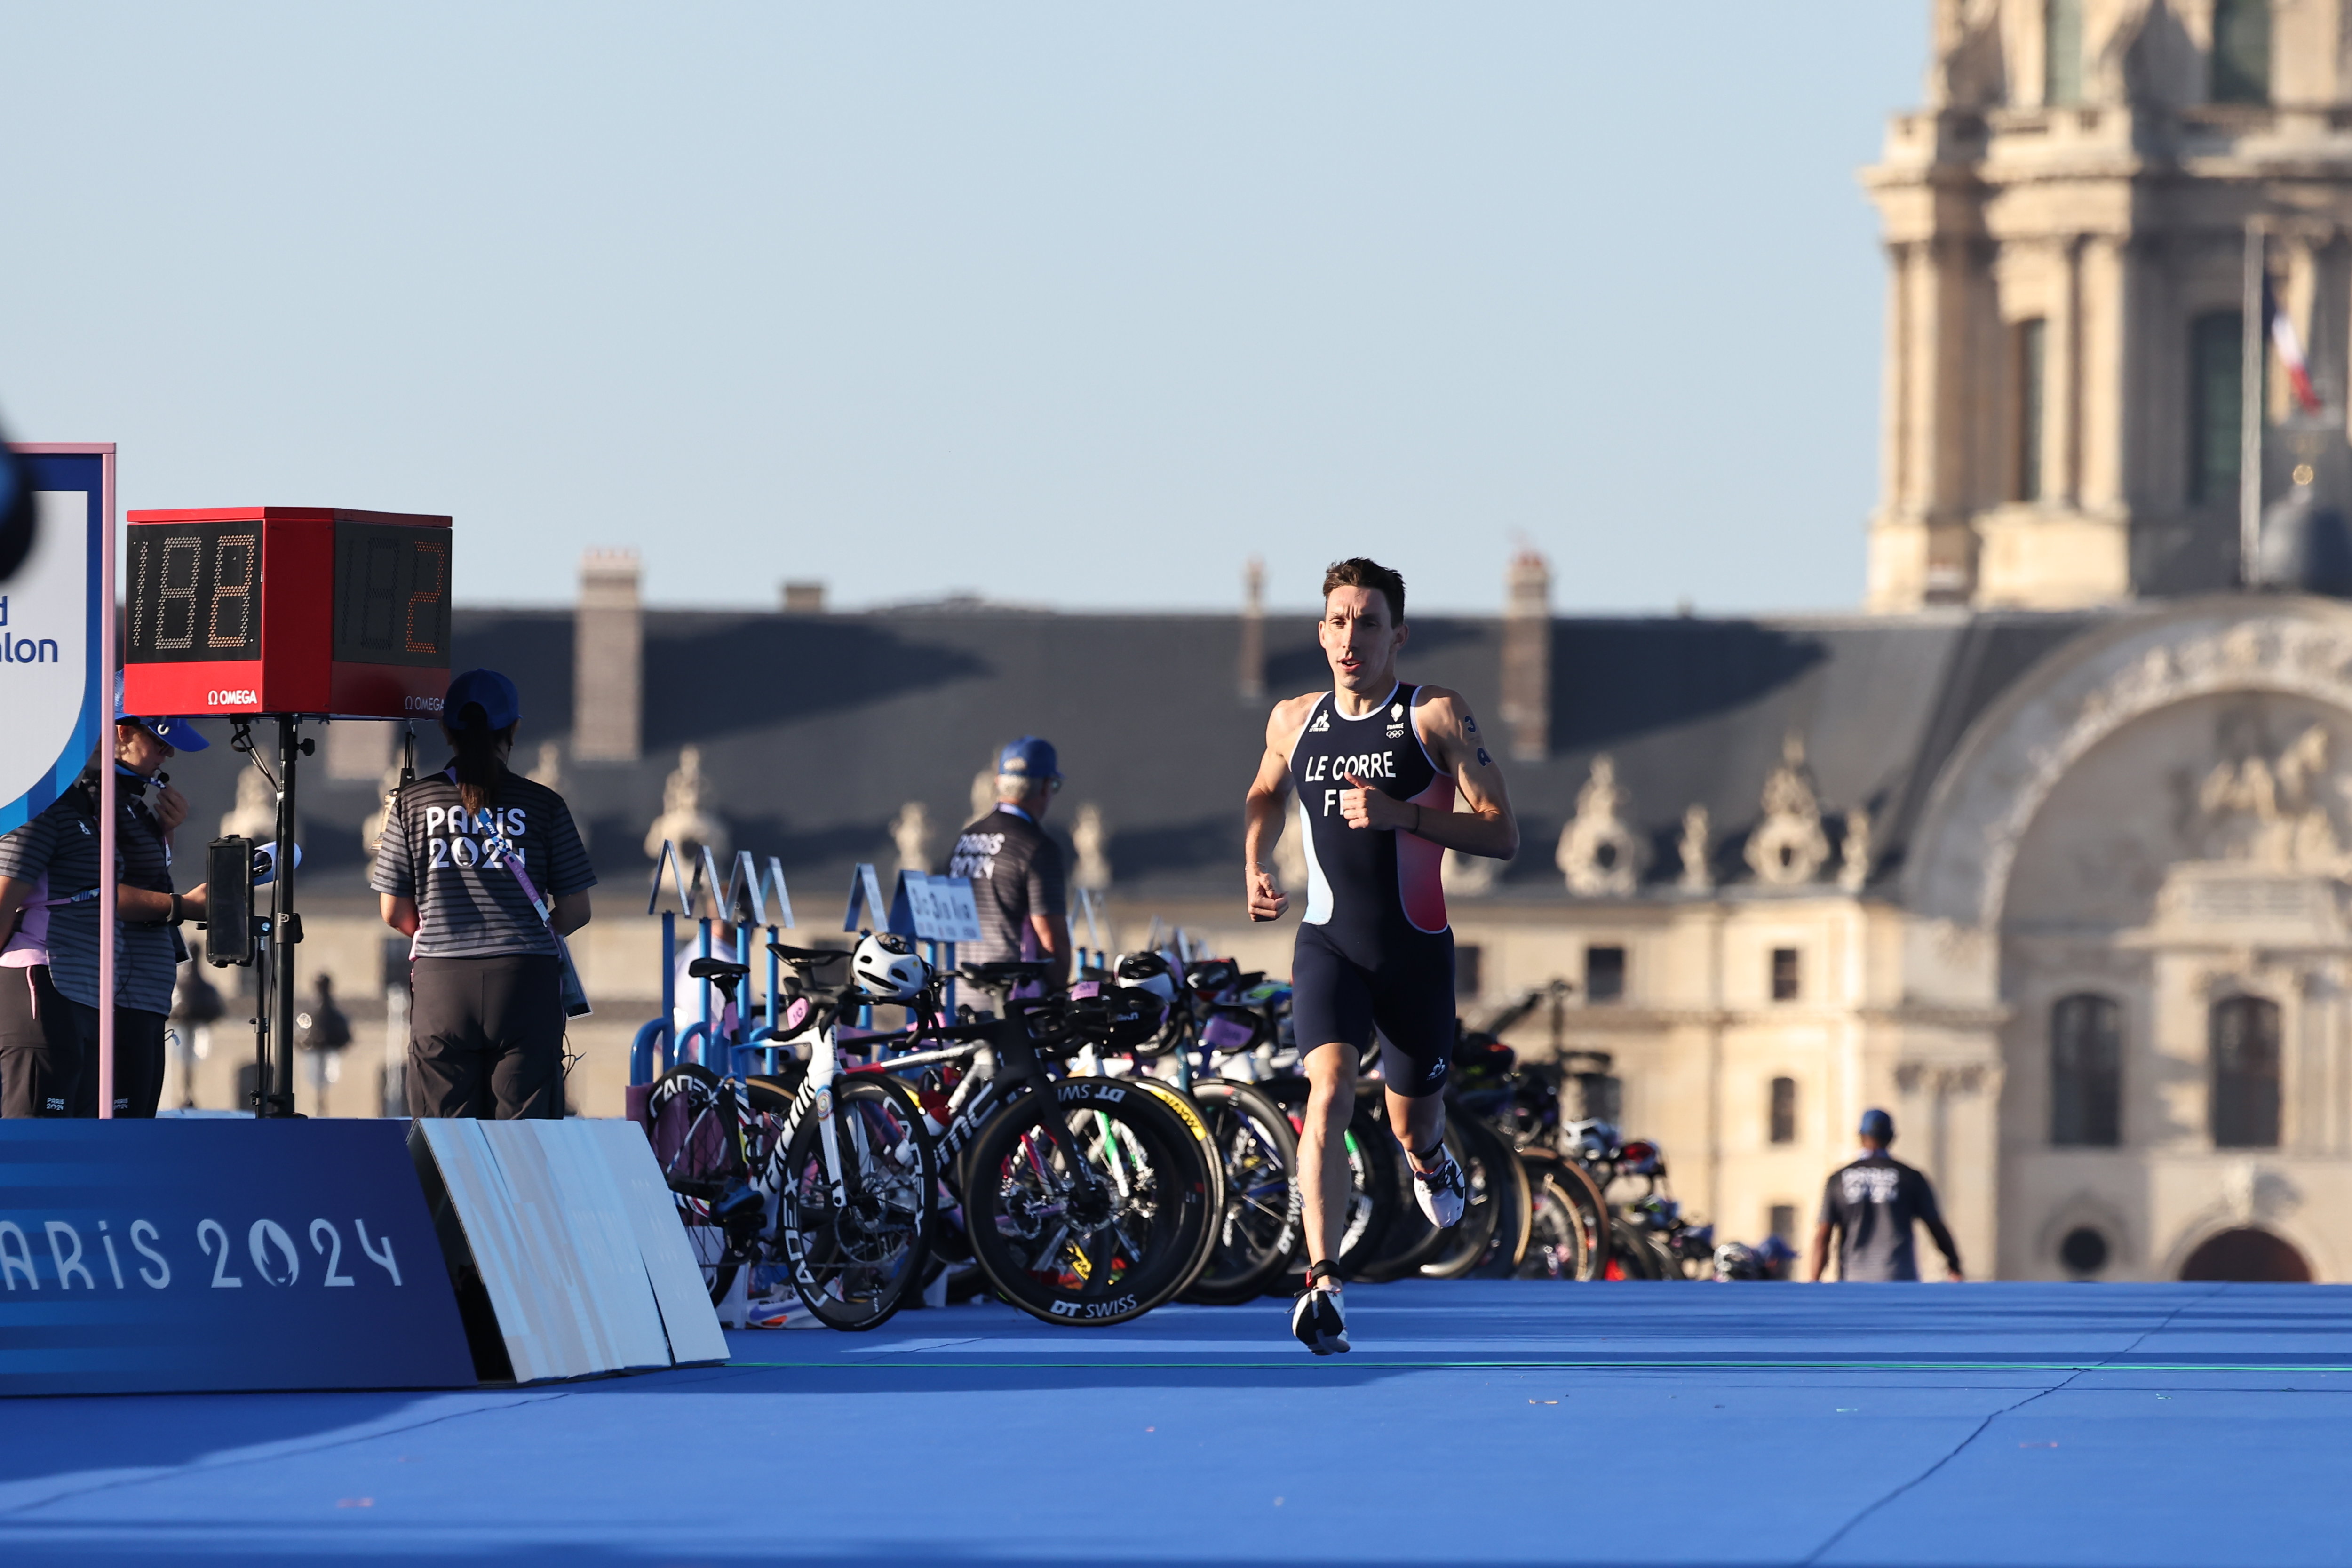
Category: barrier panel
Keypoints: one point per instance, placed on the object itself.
(566, 1247)
(154, 1257)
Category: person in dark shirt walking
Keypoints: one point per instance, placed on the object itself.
(1873, 1203)
(483, 869)
(1016, 872)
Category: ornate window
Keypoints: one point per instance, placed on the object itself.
(2032, 357)
(2061, 52)
(1783, 1112)
(1604, 975)
(2086, 1071)
(2215, 374)
(2245, 1105)
(2241, 51)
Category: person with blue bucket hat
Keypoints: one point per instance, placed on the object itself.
(1871, 1206)
(49, 907)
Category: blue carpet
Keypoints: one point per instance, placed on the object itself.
(1476, 1423)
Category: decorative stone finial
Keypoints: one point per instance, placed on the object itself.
(1093, 842)
(1789, 846)
(1598, 853)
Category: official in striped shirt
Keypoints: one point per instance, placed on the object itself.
(486, 1015)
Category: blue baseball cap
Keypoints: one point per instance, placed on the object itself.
(1877, 1124)
(1029, 758)
(175, 732)
(500, 701)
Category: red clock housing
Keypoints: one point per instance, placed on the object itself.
(278, 609)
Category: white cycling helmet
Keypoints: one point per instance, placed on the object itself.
(886, 968)
(1147, 971)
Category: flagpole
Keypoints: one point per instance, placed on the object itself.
(2250, 410)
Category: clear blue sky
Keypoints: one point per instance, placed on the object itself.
(1071, 304)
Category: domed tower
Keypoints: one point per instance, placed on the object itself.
(2067, 226)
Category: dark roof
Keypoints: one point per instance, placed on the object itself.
(815, 729)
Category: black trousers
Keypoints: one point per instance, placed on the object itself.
(486, 1036)
(48, 1052)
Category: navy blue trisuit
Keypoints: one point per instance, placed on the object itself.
(1374, 951)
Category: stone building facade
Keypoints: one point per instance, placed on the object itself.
(2065, 226)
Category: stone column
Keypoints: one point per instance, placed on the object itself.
(1527, 657)
(608, 659)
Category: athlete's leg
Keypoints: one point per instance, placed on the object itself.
(1419, 1124)
(1331, 1004)
(1413, 1007)
(1323, 1181)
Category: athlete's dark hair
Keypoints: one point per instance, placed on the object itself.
(474, 748)
(1360, 572)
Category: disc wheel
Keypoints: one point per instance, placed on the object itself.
(1089, 1201)
(857, 1250)
(1258, 1230)
(1493, 1236)
(1412, 1240)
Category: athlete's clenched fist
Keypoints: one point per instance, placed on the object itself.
(1266, 899)
(1364, 806)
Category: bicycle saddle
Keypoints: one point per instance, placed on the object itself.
(717, 969)
(809, 956)
(1010, 972)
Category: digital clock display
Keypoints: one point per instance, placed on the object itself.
(391, 595)
(195, 592)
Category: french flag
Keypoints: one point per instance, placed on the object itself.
(2289, 345)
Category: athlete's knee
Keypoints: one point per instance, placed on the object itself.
(1331, 1085)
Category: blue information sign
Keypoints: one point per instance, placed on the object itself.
(49, 634)
(149, 1256)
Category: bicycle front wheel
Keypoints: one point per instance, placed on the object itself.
(855, 1239)
(1088, 1201)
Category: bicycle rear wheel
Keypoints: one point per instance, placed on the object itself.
(693, 1120)
(1559, 1245)
(1088, 1201)
(1258, 1230)
(1188, 1110)
(1373, 1189)
(856, 1253)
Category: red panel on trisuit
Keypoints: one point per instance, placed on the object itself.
(282, 609)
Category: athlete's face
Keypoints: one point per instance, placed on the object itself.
(1360, 641)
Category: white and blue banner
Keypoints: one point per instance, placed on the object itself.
(49, 634)
(153, 1257)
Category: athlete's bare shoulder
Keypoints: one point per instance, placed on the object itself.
(1442, 717)
(1288, 718)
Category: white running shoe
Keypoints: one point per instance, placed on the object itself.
(1318, 1318)
(1442, 1194)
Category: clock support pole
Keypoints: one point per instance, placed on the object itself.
(275, 1039)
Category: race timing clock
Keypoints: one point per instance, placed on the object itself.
(286, 610)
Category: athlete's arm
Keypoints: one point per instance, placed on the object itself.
(1262, 808)
(1444, 724)
(1818, 1264)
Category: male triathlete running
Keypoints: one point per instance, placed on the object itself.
(1376, 764)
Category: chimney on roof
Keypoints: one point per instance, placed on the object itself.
(804, 598)
(1253, 651)
(608, 659)
(1527, 657)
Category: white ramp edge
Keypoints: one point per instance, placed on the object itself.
(578, 1244)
